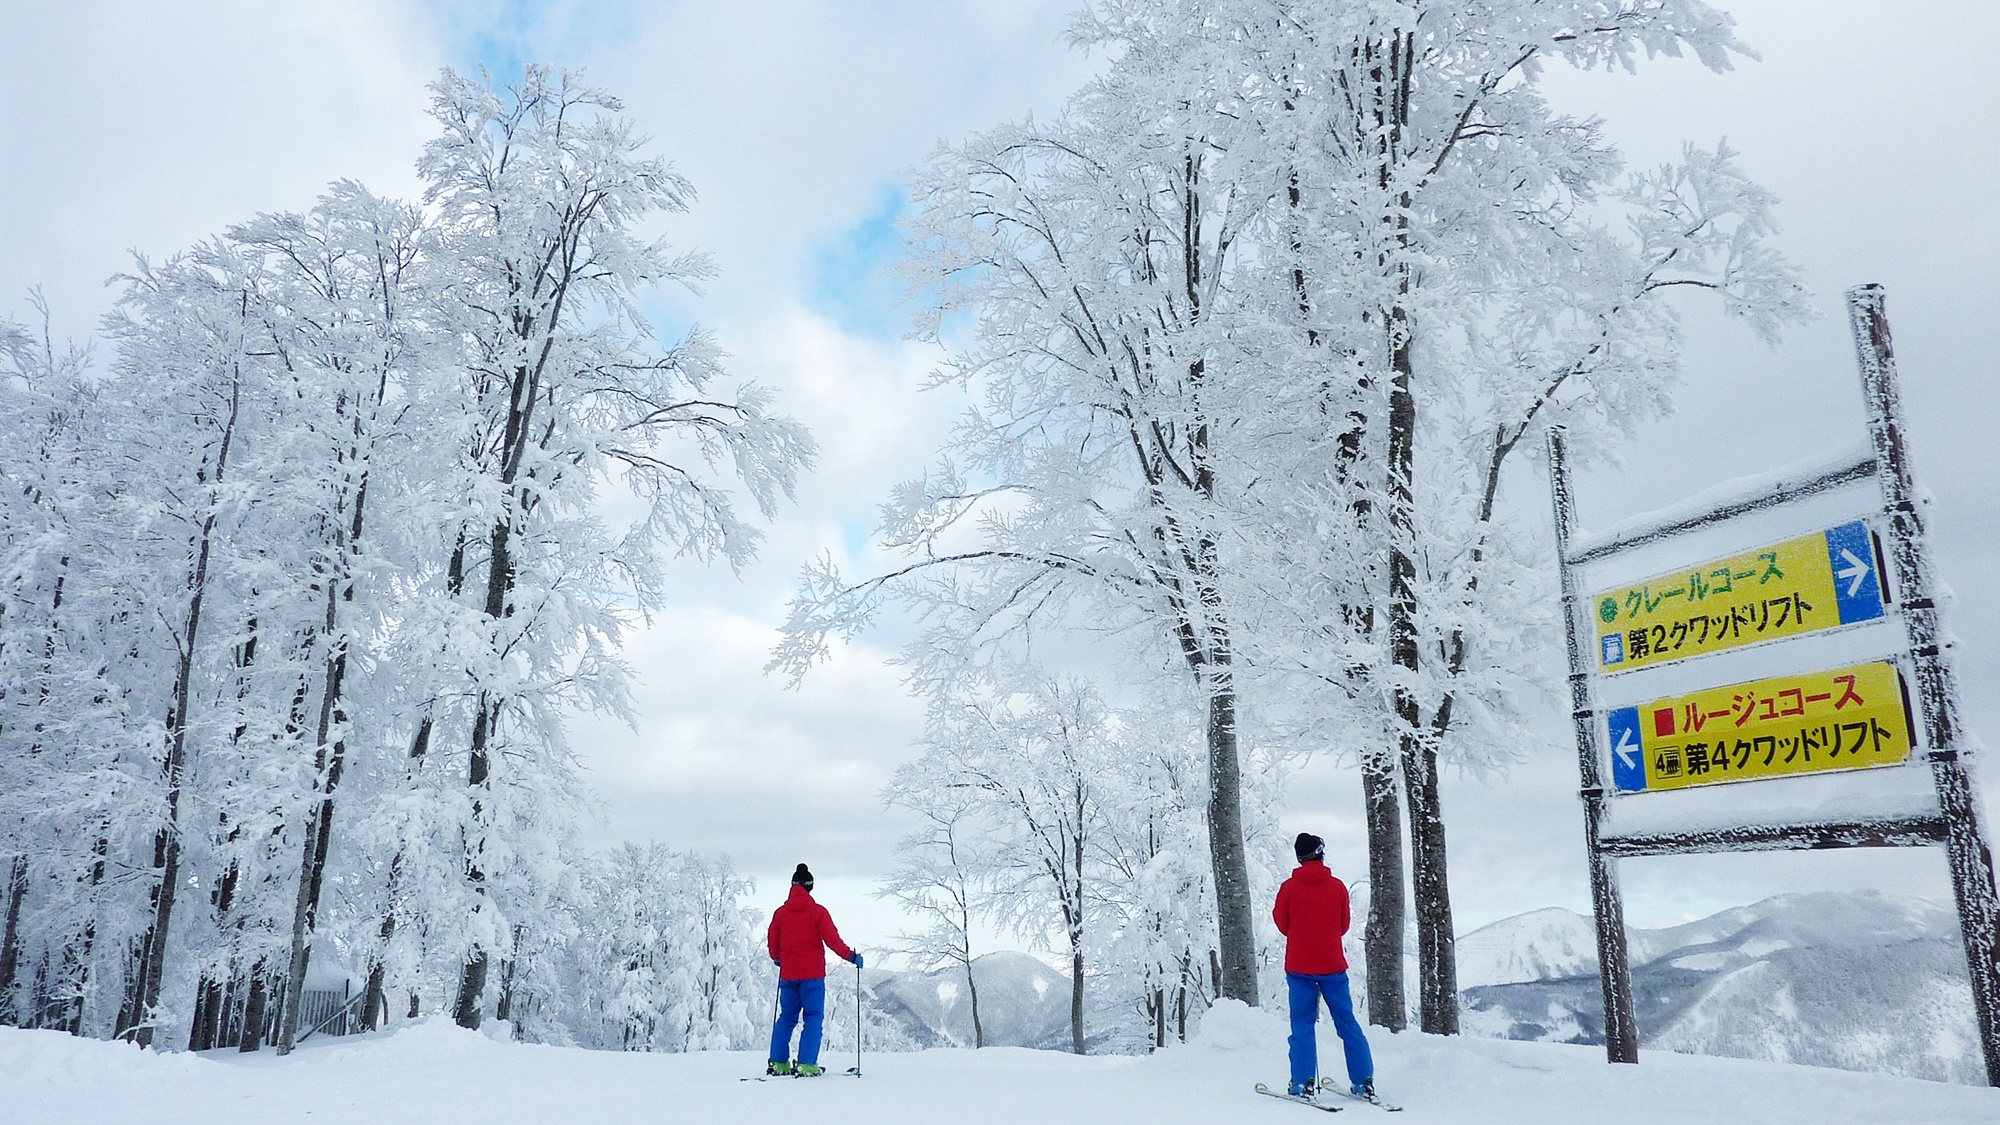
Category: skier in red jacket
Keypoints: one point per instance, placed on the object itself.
(1312, 913)
(801, 932)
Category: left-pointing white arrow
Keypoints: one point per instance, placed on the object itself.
(1627, 750)
(1854, 571)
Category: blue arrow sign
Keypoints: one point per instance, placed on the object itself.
(1857, 587)
(1628, 757)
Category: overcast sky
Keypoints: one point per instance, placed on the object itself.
(147, 126)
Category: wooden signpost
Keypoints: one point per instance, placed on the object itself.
(1861, 716)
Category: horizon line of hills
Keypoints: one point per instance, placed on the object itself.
(1858, 980)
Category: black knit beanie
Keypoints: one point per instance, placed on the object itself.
(802, 878)
(1307, 846)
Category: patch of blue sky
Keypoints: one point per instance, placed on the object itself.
(855, 538)
(506, 35)
(853, 280)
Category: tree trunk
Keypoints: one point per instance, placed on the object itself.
(207, 1011)
(1383, 937)
(504, 1010)
(499, 586)
(1076, 998)
(472, 980)
(76, 955)
(471, 985)
(319, 830)
(1437, 959)
(1236, 933)
(330, 759)
(167, 845)
(1205, 642)
(10, 942)
(419, 747)
(374, 1004)
(1181, 1007)
(254, 1011)
(972, 990)
(1437, 972)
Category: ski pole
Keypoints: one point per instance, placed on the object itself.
(857, 1017)
(776, 994)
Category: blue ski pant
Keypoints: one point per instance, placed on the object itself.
(1306, 992)
(796, 997)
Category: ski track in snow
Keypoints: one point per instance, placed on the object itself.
(436, 1074)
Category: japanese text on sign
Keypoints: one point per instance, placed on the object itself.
(1803, 585)
(1842, 719)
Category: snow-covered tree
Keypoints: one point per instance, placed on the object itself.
(540, 191)
(1458, 279)
(939, 874)
(70, 751)
(337, 508)
(1156, 901)
(1255, 327)
(1096, 257)
(1031, 748)
(667, 959)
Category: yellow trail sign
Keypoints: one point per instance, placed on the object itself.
(1841, 719)
(1820, 581)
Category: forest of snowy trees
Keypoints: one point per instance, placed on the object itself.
(1256, 328)
(306, 567)
(302, 576)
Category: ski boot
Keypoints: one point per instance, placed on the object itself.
(807, 1070)
(778, 1068)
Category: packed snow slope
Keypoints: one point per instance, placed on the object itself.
(435, 1074)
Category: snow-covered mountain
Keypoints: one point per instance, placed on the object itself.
(1860, 980)
(1539, 945)
(1022, 1003)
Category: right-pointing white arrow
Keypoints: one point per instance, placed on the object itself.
(1854, 571)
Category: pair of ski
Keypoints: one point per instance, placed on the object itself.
(850, 1072)
(1328, 1086)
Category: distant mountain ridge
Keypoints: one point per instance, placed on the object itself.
(1859, 980)
(1022, 1003)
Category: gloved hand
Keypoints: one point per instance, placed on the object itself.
(857, 958)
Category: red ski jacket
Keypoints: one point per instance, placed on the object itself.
(799, 929)
(1312, 914)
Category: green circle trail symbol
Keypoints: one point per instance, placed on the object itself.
(1607, 610)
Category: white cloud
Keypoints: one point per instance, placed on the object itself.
(141, 126)
(720, 745)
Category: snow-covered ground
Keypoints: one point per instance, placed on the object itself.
(433, 1073)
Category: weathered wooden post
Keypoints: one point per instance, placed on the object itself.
(1621, 1030)
(1937, 689)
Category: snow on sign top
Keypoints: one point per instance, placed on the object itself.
(1815, 582)
(1850, 718)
